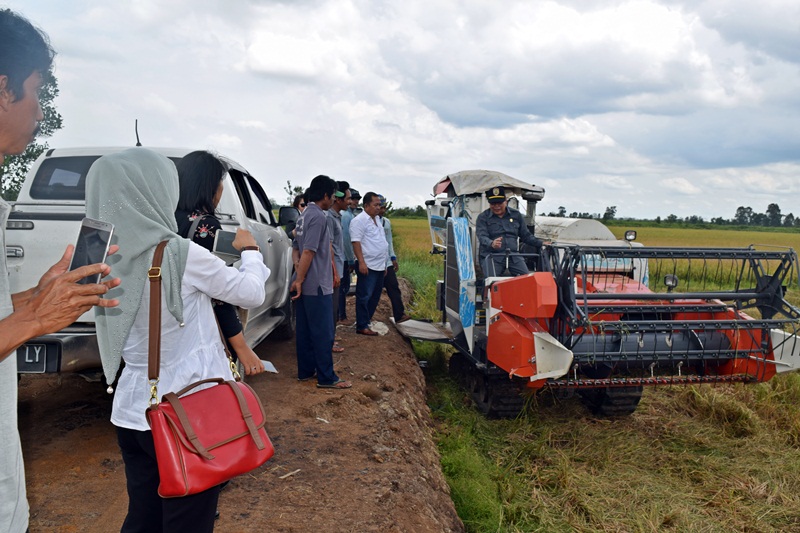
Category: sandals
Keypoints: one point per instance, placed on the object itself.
(338, 384)
(336, 348)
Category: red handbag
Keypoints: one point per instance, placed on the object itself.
(207, 437)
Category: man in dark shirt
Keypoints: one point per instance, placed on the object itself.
(498, 229)
(313, 288)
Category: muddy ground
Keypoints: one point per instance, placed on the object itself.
(360, 460)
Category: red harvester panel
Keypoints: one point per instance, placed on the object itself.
(530, 296)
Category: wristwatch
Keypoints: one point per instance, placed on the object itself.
(246, 248)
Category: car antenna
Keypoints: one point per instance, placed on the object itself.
(136, 129)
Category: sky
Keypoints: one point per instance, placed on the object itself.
(657, 107)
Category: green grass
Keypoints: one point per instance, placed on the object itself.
(707, 458)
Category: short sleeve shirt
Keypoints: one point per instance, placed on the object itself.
(369, 232)
(312, 234)
(347, 218)
(13, 501)
(337, 241)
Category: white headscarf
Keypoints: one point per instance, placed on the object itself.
(137, 191)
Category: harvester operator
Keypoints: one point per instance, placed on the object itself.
(498, 230)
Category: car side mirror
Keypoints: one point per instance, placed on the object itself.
(287, 214)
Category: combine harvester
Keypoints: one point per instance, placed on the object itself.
(599, 316)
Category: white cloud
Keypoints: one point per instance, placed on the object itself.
(603, 103)
(611, 182)
(680, 186)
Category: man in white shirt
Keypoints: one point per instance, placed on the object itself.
(25, 57)
(372, 252)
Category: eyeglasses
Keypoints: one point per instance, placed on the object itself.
(302, 204)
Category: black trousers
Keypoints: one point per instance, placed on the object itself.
(336, 307)
(495, 265)
(147, 511)
(344, 289)
(393, 292)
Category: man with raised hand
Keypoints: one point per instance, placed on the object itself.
(58, 300)
(499, 228)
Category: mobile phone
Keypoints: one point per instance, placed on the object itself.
(92, 246)
(223, 246)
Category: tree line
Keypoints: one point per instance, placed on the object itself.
(744, 216)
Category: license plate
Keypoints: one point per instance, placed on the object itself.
(32, 358)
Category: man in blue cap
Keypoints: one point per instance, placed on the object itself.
(498, 230)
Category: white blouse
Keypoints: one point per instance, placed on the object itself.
(192, 352)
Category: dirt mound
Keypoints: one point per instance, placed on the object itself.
(358, 460)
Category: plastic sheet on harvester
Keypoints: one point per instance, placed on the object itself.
(425, 331)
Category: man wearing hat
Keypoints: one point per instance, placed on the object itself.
(498, 230)
(349, 257)
(340, 200)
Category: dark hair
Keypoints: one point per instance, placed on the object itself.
(342, 186)
(300, 198)
(25, 50)
(369, 196)
(320, 186)
(199, 175)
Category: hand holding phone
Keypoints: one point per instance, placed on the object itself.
(223, 243)
(228, 244)
(244, 238)
(92, 246)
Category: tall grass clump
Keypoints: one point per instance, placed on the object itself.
(412, 243)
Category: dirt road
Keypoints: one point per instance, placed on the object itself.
(348, 461)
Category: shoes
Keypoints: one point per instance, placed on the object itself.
(307, 378)
(403, 319)
(338, 384)
(346, 322)
(366, 331)
(336, 348)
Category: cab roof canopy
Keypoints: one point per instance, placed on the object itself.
(469, 182)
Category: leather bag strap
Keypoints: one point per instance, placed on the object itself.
(154, 346)
(188, 430)
(247, 416)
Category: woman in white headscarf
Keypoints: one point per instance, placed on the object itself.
(137, 191)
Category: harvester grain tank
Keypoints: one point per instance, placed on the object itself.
(597, 315)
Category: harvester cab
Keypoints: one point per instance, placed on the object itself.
(600, 316)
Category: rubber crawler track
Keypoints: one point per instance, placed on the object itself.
(495, 396)
(612, 401)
